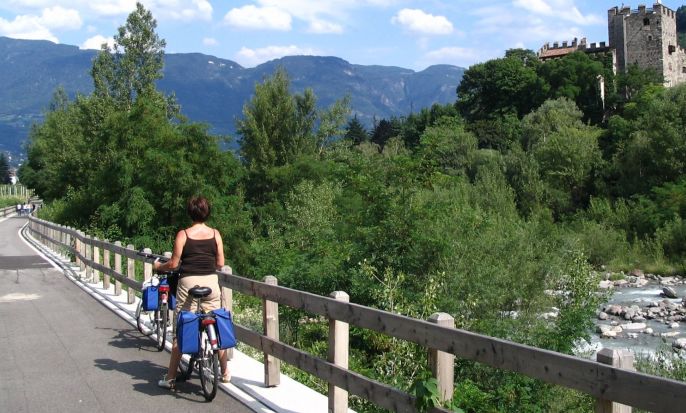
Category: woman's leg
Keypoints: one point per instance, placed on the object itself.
(223, 364)
(174, 361)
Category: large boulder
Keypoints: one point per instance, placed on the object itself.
(669, 292)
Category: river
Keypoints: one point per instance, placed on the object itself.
(642, 297)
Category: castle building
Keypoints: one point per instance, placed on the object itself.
(646, 37)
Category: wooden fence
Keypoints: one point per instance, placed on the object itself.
(19, 191)
(8, 210)
(611, 379)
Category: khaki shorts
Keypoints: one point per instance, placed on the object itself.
(187, 303)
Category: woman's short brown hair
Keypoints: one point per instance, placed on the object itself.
(198, 208)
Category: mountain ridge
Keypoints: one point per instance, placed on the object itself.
(211, 89)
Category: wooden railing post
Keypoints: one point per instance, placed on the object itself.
(147, 267)
(227, 302)
(96, 259)
(338, 354)
(443, 364)
(131, 274)
(108, 265)
(117, 269)
(79, 250)
(89, 256)
(270, 313)
(623, 359)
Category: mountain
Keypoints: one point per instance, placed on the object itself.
(211, 89)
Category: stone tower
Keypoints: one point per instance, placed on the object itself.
(647, 38)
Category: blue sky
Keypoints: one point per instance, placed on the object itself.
(406, 33)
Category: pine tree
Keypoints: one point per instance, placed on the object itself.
(356, 132)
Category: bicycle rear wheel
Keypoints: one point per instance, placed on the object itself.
(142, 317)
(208, 369)
(161, 317)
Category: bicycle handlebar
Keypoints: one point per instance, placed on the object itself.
(149, 258)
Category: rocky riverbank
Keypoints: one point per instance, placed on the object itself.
(644, 305)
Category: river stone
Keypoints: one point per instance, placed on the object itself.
(648, 330)
(605, 285)
(636, 272)
(633, 326)
(602, 316)
(670, 334)
(669, 292)
(674, 325)
(621, 283)
(614, 309)
(679, 343)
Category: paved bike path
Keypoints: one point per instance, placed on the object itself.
(62, 351)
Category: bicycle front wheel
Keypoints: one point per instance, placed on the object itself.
(161, 317)
(141, 317)
(208, 369)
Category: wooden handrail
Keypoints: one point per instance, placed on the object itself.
(602, 381)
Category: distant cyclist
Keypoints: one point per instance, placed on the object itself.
(200, 251)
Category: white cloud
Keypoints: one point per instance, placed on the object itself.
(26, 27)
(161, 9)
(558, 10)
(112, 7)
(534, 6)
(34, 27)
(210, 41)
(418, 21)
(251, 17)
(96, 42)
(323, 26)
(252, 57)
(451, 55)
(61, 18)
(182, 10)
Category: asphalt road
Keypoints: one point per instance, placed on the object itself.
(62, 351)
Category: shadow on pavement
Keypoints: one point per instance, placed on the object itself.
(131, 338)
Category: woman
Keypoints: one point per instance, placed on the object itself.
(200, 251)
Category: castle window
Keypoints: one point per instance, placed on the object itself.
(646, 22)
(671, 48)
(650, 37)
(683, 69)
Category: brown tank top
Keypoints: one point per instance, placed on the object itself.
(199, 256)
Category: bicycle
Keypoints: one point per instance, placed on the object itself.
(158, 319)
(206, 360)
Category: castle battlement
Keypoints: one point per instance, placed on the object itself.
(658, 8)
(644, 36)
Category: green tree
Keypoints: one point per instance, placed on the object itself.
(356, 132)
(681, 25)
(499, 87)
(134, 64)
(384, 130)
(278, 127)
(650, 145)
(566, 151)
(577, 77)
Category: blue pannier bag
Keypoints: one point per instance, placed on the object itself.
(151, 298)
(227, 337)
(188, 332)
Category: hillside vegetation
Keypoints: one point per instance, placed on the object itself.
(482, 209)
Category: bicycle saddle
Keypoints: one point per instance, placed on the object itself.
(200, 292)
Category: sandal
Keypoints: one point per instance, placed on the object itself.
(226, 378)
